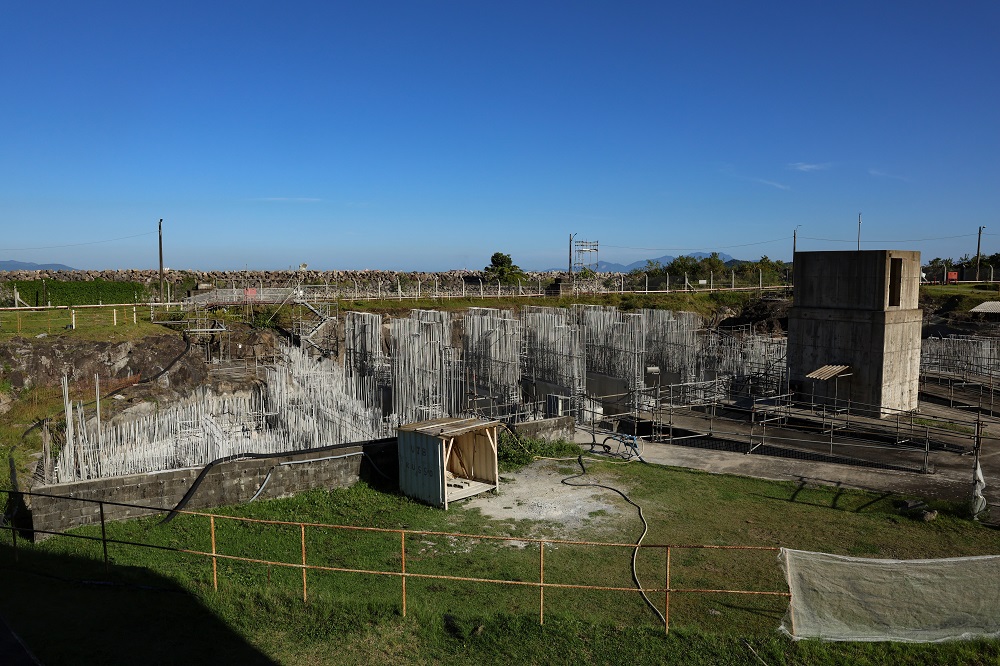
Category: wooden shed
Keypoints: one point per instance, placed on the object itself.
(448, 459)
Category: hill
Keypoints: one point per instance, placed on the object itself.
(29, 266)
(611, 267)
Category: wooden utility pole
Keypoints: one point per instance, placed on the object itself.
(161, 259)
(979, 245)
(571, 254)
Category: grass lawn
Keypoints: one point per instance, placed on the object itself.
(160, 606)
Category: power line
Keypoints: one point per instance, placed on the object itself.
(695, 249)
(894, 240)
(54, 247)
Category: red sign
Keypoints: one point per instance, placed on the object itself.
(252, 292)
(952, 277)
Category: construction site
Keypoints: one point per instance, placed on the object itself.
(620, 379)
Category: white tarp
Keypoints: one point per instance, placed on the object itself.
(839, 598)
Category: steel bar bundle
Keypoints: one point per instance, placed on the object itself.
(969, 357)
(426, 373)
(492, 355)
(672, 341)
(616, 346)
(554, 351)
(366, 365)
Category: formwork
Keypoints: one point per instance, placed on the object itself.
(448, 459)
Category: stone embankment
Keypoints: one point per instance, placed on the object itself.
(267, 278)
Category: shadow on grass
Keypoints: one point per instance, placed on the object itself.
(838, 494)
(67, 611)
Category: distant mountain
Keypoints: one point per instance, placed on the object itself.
(29, 266)
(611, 267)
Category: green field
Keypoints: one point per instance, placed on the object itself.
(259, 613)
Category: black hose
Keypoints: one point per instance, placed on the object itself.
(645, 527)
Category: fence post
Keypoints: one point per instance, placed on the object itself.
(666, 597)
(402, 547)
(305, 599)
(13, 535)
(104, 537)
(215, 561)
(541, 582)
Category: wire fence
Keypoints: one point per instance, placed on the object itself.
(294, 539)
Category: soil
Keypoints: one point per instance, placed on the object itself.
(536, 493)
(156, 368)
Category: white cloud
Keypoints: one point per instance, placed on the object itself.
(808, 166)
(772, 183)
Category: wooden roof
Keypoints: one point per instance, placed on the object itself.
(448, 427)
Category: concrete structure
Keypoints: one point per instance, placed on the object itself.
(857, 308)
(59, 507)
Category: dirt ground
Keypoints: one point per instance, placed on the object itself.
(536, 492)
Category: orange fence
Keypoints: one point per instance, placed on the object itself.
(666, 590)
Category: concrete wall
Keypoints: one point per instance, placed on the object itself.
(843, 314)
(227, 483)
(561, 427)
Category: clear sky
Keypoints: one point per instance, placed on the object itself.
(426, 135)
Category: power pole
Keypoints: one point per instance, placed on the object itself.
(979, 245)
(859, 232)
(571, 254)
(161, 259)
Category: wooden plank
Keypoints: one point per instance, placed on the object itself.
(474, 488)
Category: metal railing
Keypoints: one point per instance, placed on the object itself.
(302, 564)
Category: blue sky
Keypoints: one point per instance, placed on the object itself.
(427, 135)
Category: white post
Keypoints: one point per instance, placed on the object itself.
(435, 287)
(481, 288)
(760, 272)
(520, 292)
(418, 288)
(356, 293)
(711, 280)
(498, 288)
(647, 283)
(540, 282)
(73, 313)
(114, 316)
(135, 319)
(668, 281)
(734, 280)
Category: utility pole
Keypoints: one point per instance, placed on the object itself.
(161, 259)
(571, 236)
(859, 232)
(979, 245)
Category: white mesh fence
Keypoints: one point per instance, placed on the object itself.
(839, 598)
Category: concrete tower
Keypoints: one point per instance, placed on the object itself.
(856, 309)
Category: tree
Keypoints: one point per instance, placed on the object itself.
(503, 268)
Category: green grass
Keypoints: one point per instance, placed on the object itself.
(95, 324)
(351, 617)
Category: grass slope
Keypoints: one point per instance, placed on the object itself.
(351, 618)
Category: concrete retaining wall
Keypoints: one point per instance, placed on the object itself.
(224, 484)
(560, 427)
